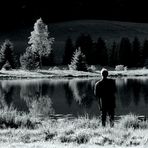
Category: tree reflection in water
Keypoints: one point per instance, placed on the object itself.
(37, 98)
(69, 95)
(136, 89)
(123, 92)
(82, 92)
(42, 106)
(144, 90)
(129, 90)
(9, 95)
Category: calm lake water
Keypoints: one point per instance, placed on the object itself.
(71, 96)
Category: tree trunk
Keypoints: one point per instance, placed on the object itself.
(40, 62)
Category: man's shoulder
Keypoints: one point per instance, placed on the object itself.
(99, 82)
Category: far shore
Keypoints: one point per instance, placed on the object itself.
(56, 73)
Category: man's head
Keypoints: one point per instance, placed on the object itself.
(104, 73)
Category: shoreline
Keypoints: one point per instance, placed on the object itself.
(23, 74)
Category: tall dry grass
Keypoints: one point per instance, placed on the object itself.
(20, 127)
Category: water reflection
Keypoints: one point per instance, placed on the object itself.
(82, 92)
(68, 93)
(132, 90)
(74, 96)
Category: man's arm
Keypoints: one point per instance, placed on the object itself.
(99, 103)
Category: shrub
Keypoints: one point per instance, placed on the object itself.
(82, 138)
(132, 121)
(7, 66)
(14, 119)
(120, 68)
(30, 60)
(49, 135)
(92, 68)
(146, 63)
(54, 68)
(7, 54)
(67, 139)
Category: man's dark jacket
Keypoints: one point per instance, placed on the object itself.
(105, 90)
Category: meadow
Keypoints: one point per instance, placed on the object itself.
(26, 130)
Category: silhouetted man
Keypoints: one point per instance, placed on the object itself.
(105, 93)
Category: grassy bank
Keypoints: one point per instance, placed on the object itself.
(45, 74)
(57, 72)
(32, 131)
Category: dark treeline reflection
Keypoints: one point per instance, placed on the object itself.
(132, 90)
(69, 96)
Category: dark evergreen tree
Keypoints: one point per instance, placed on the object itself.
(101, 52)
(78, 61)
(144, 53)
(113, 54)
(30, 60)
(69, 50)
(125, 52)
(7, 54)
(51, 57)
(94, 54)
(84, 41)
(136, 56)
(48, 60)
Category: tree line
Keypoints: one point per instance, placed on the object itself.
(131, 53)
(78, 54)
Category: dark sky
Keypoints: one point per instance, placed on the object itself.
(20, 13)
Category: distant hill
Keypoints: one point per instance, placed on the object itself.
(109, 30)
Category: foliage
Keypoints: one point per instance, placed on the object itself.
(10, 118)
(7, 54)
(125, 52)
(120, 68)
(84, 41)
(136, 52)
(30, 60)
(7, 66)
(128, 131)
(112, 54)
(54, 68)
(146, 63)
(49, 59)
(92, 68)
(42, 106)
(39, 39)
(132, 121)
(102, 55)
(40, 46)
(78, 61)
(144, 53)
(69, 50)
